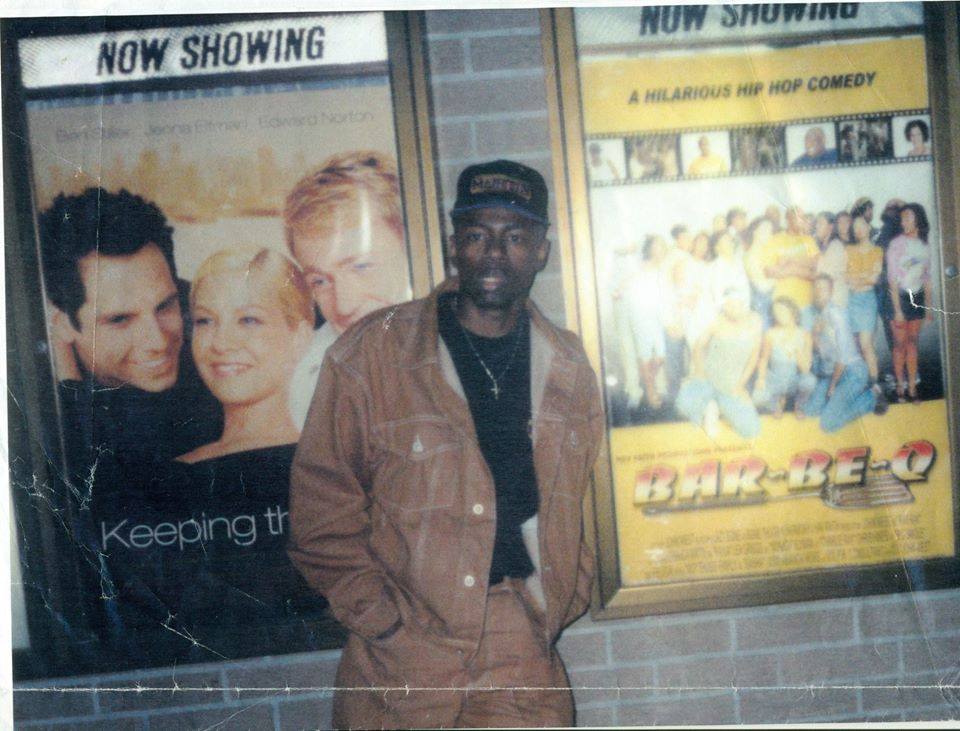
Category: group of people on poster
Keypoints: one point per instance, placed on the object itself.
(182, 403)
(774, 314)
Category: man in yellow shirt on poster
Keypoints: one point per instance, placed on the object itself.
(789, 258)
(707, 163)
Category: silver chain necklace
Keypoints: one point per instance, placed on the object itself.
(495, 388)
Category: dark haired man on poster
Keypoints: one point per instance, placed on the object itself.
(437, 488)
(126, 383)
(128, 393)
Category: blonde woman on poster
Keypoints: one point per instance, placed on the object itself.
(649, 296)
(697, 305)
(761, 286)
(723, 362)
(842, 393)
(622, 282)
(726, 267)
(344, 226)
(674, 265)
(833, 254)
(785, 360)
(908, 276)
(253, 320)
(251, 327)
(864, 265)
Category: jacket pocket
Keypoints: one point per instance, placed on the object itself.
(419, 465)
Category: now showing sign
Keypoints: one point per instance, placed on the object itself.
(327, 40)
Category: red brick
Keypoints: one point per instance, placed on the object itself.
(782, 629)
(29, 704)
(780, 706)
(306, 714)
(200, 688)
(446, 57)
(464, 21)
(832, 663)
(657, 640)
(506, 52)
(583, 649)
(680, 711)
(228, 718)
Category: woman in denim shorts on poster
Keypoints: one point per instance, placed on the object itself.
(908, 275)
(864, 264)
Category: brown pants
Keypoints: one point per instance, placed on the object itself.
(514, 679)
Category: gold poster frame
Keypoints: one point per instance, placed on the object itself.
(611, 599)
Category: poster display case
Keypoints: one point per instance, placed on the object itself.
(762, 230)
(202, 206)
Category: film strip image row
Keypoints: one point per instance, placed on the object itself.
(758, 149)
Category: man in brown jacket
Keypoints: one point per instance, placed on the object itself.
(437, 489)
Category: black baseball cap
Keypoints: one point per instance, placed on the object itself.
(502, 184)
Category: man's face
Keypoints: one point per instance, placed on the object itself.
(355, 263)
(498, 253)
(131, 329)
(704, 144)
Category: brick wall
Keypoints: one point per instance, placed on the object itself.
(489, 97)
(875, 658)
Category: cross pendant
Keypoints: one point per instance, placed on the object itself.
(496, 390)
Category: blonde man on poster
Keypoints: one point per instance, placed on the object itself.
(439, 429)
(344, 226)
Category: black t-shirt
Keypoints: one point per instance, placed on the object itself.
(113, 435)
(502, 423)
(201, 548)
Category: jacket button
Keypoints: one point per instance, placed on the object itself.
(478, 509)
(469, 581)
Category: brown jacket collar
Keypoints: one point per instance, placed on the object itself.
(423, 344)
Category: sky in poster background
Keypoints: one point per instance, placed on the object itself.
(220, 165)
(665, 101)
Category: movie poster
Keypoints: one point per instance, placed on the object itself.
(766, 255)
(202, 244)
